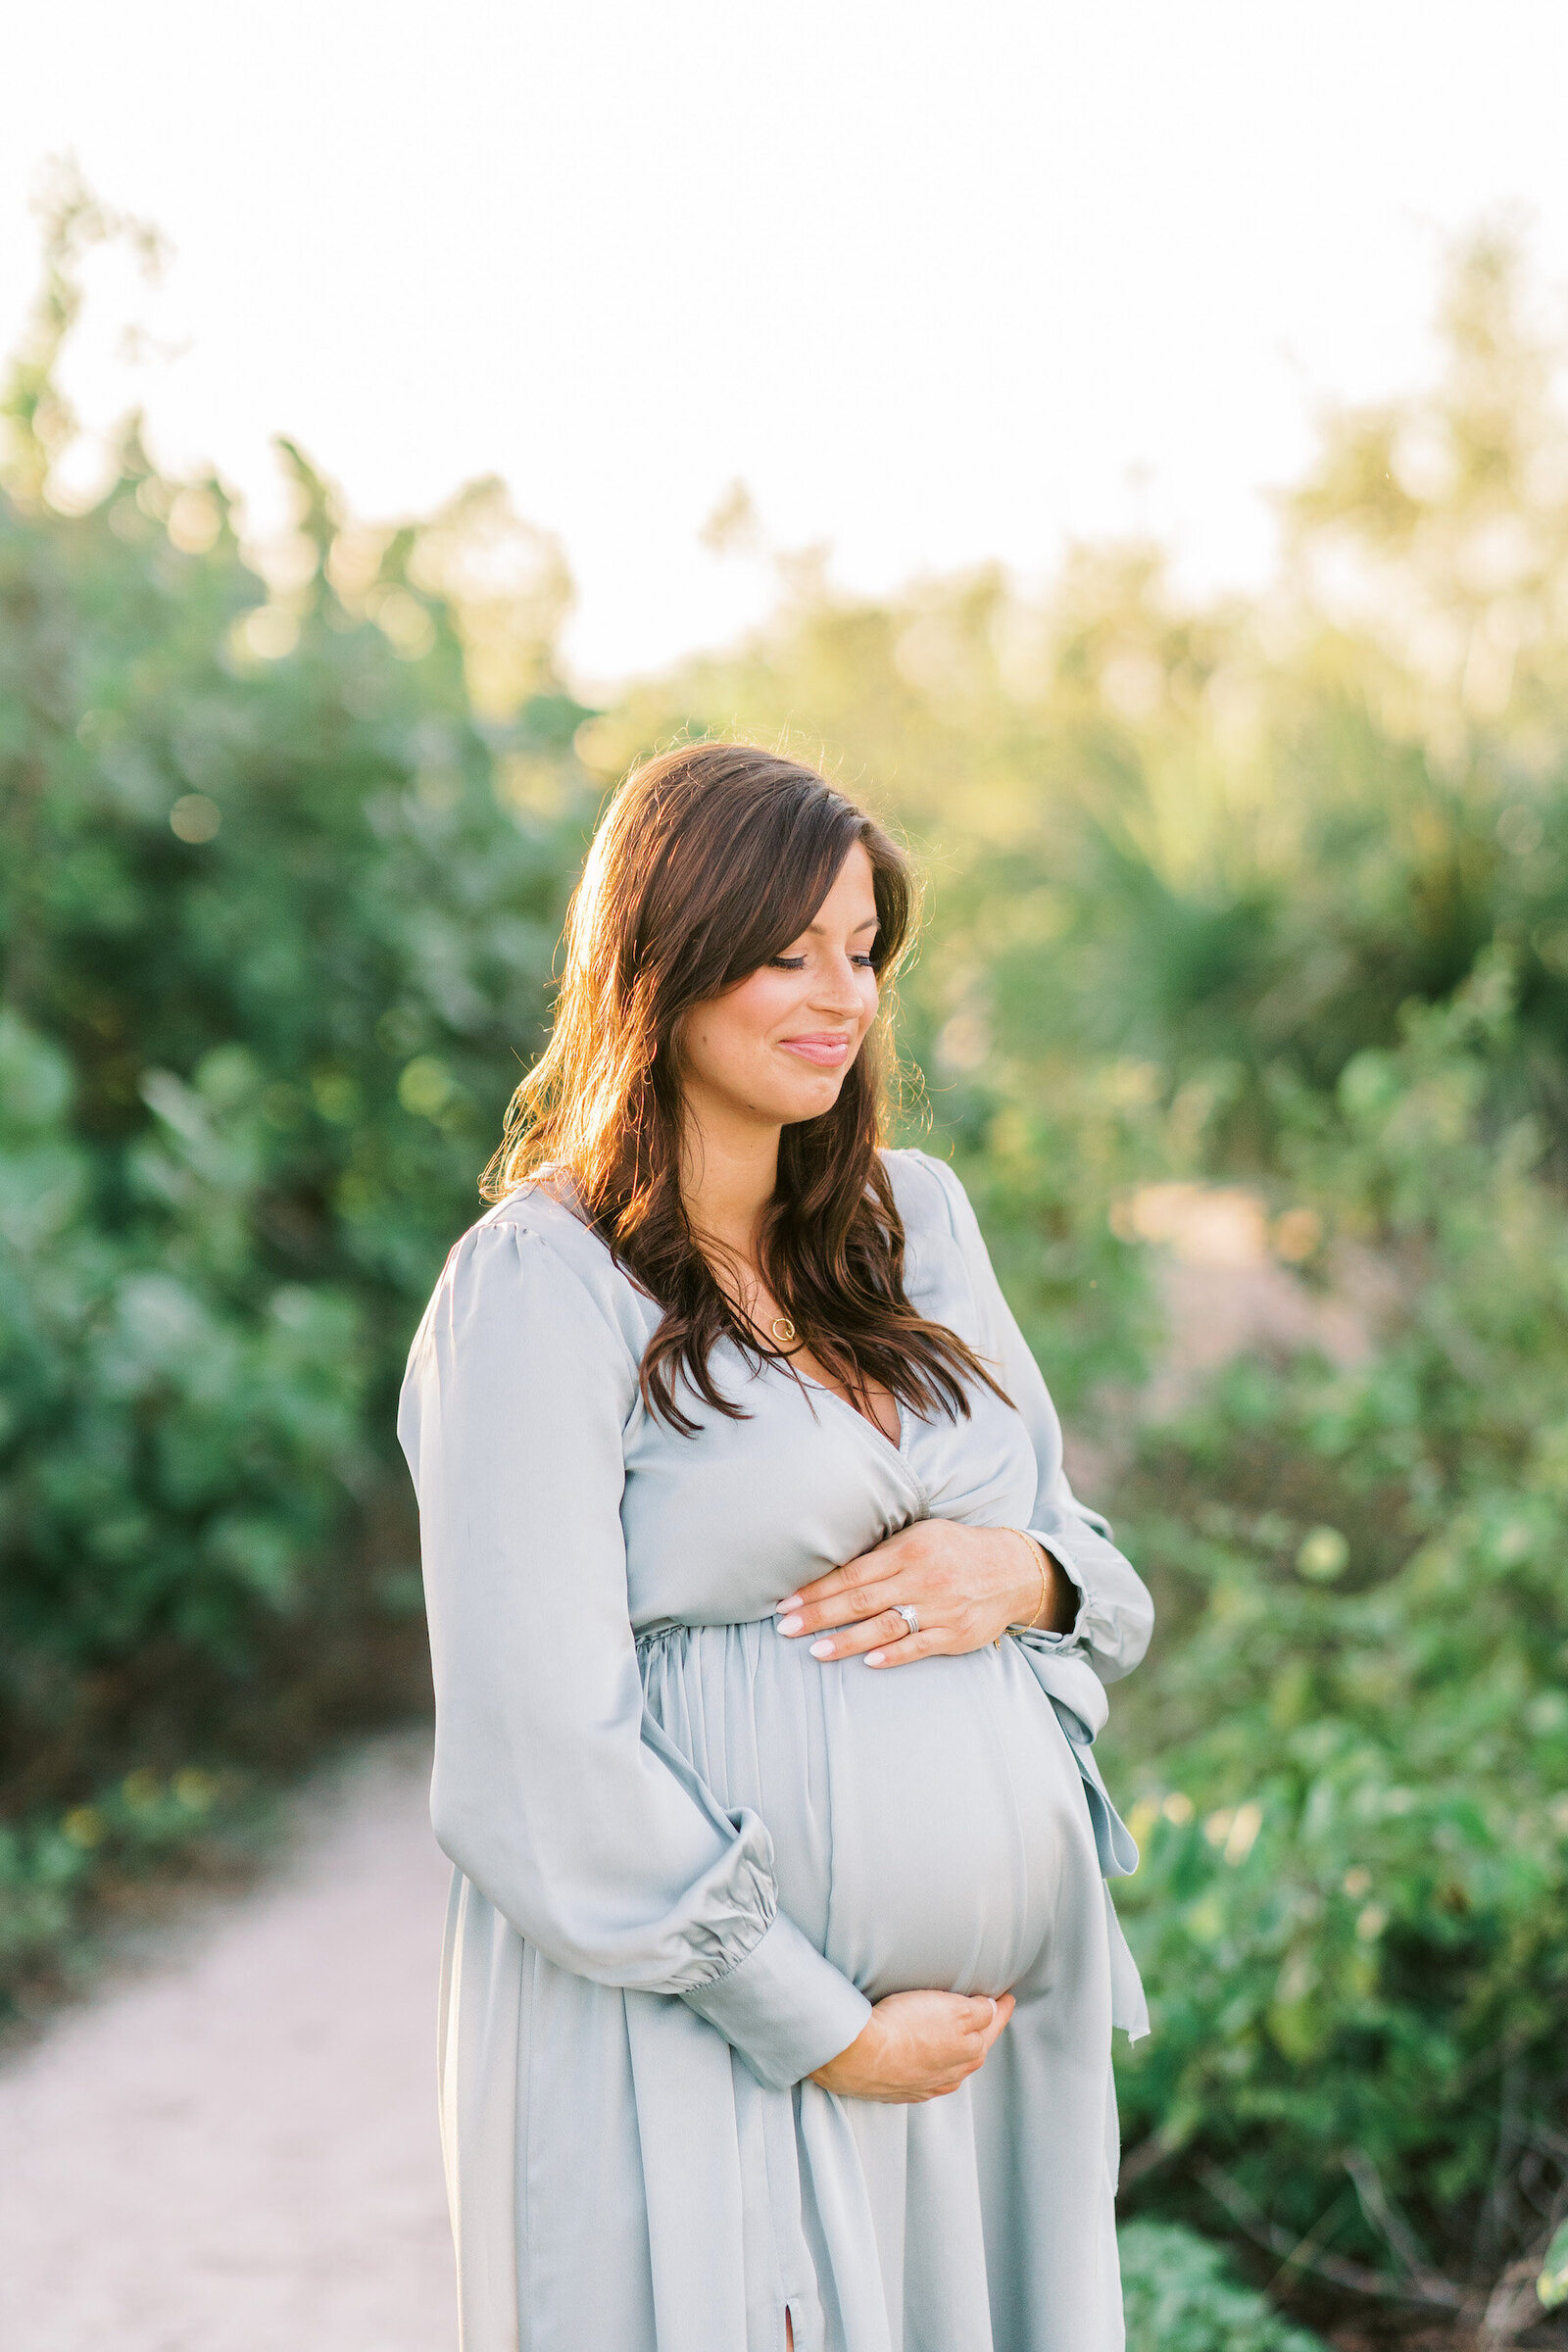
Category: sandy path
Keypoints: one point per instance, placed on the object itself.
(235, 2150)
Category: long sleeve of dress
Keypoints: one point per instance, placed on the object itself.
(1116, 1616)
(552, 1793)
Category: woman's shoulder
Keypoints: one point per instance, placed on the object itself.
(535, 1232)
(930, 1198)
(542, 1208)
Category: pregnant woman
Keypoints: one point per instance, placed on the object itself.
(769, 1643)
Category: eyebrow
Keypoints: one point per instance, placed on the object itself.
(872, 922)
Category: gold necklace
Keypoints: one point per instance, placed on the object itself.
(781, 1326)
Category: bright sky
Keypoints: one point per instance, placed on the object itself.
(937, 282)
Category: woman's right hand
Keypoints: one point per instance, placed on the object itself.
(917, 2045)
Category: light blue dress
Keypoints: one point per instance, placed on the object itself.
(688, 1855)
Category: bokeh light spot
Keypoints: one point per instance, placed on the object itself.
(195, 519)
(426, 1087)
(194, 817)
(1324, 1555)
(269, 633)
(402, 621)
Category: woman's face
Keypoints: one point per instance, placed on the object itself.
(774, 1049)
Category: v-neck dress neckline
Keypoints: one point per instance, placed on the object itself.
(895, 1446)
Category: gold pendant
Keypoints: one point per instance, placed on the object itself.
(783, 1330)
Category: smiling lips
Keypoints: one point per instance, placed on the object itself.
(825, 1048)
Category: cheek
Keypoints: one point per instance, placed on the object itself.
(760, 1002)
(733, 1030)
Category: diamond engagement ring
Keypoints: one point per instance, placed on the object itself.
(902, 1608)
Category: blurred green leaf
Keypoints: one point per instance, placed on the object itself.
(1553, 2285)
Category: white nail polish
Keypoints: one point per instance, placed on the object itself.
(821, 1649)
(875, 1658)
(790, 1625)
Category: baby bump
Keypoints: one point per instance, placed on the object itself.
(921, 1816)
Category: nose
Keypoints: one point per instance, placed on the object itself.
(840, 985)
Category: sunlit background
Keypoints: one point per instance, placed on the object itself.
(1128, 445)
(938, 286)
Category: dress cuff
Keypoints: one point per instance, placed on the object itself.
(785, 2008)
(1077, 1631)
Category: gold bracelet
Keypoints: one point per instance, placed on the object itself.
(1042, 1557)
(1042, 1560)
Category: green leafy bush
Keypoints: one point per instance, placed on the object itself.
(56, 1867)
(277, 915)
(1354, 1752)
(1180, 2297)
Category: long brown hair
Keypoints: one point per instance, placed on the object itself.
(710, 859)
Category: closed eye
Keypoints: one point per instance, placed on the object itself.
(797, 964)
(865, 957)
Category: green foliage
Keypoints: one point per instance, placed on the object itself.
(178, 1439)
(1355, 1753)
(54, 1868)
(1551, 2288)
(278, 917)
(1180, 2297)
(1040, 1168)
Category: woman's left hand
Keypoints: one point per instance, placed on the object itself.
(967, 1584)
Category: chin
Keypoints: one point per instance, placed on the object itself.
(792, 1091)
(813, 1103)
